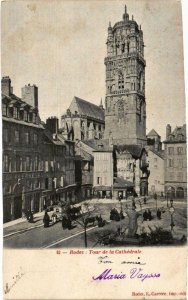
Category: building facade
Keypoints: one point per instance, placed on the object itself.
(156, 178)
(22, 168)
(156, 163)
(175, 154)
(125, 106)
(38, 163)
(83, 120)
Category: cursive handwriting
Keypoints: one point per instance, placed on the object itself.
(135, 273)
(104, 260)
(16, 278)
(133, 262)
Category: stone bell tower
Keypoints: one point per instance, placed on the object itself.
(125, 114)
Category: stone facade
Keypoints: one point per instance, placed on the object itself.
(83, 120)
(83, 171)
(156, 178)
(38, 165)
(156, 163)
(125, 114)
(176, 162)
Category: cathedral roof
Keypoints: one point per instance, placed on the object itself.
(153, 133)
(86, 108)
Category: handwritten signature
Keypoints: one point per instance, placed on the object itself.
(135, 273)
(106, 260)
(16, 278)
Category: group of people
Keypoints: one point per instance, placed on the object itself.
(147, 215)
(46, 219)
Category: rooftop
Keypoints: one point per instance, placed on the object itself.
(86, 108)
(153, 133)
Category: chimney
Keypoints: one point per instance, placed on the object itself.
(52, 125)
(30, 95)
(168, 131)
(6, 88)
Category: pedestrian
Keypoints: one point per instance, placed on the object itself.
(69, 223)
(64, 222)
(159, 214)
(119, 230)
(144, 200)
(54, 218)
(149, 215)
(46, 219)
(145, 216)
(30, 217)
(133, 204)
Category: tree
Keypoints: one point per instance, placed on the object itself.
(85, 218)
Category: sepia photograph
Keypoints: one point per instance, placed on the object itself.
(93, 125)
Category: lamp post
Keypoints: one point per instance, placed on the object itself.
(167, 199)
(121, 210)
(171, 210)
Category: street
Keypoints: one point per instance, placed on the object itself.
(34, 235)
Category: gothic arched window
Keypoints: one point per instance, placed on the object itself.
(120, 81)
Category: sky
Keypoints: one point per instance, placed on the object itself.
(60, 46)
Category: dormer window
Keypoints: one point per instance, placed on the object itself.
(11, 112)
(25, 116)
(30, 117)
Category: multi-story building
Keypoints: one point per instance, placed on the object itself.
(125, 106)
(84, 164)
(156, 178)
(59, 165)
(154, 141)
(118, 169)
(156, 163)
(83, 120)
(22, 169)
(38, 164)
(175, 155)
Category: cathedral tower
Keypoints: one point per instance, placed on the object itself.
(125, 115)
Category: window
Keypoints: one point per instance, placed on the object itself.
(25, 116)
(36, 163)
(27, 138)
(121, 81)
(17, 136)
(18, 163)
(6, 163)
(46, 166)
(5, 135)
(170, 150)
(180, 150)
(62, 181)
(27, 163)
(4, 109)
(170, 163)
(99, 180)
(34, 118)
(30, 117)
